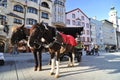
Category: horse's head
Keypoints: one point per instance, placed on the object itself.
(40, 34)
(18, 33)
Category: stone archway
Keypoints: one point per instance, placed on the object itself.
(3, 43)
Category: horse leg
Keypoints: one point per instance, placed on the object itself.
(52, 63)
(40, 60)
(70, 59)
(49, 63)
(57, 65)
(73, 58)
(35, 60)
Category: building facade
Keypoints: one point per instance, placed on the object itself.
(96, 33)
(76, 18)
(113, 17)
(58, 15)
(28, 12)
(109, 33)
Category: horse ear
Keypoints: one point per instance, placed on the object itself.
(22, 26)
(45, 26)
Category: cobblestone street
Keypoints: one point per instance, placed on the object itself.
(103, 67)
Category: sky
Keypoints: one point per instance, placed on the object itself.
(98, 8)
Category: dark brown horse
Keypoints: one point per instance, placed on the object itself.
(44, 36)
(18, 34)
(21, 33)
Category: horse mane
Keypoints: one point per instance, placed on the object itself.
(53, 30)
(33, 27)
(14, 28)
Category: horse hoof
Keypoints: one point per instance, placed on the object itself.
(35, 69)
(40, 69)
(69, 65)
(52, 73)
(72, 65)
(56, 76)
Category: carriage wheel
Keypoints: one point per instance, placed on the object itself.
(2, 62)
(79, 57)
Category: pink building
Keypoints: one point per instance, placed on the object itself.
(76, 18)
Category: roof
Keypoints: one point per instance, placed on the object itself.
(14, 15)
(107, 21)
(75, 10)
(71, 30)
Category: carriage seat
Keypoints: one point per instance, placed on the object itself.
(68, 39)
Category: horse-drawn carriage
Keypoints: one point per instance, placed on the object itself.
(43, 36)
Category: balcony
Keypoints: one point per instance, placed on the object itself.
(48, 10)
(59, 24)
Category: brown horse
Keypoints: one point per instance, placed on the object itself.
(21, 33)
(18, 33)
(45, 36)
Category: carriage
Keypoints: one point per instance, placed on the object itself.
(74, 31)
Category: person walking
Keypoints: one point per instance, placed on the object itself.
(15, 49)
(96, 50)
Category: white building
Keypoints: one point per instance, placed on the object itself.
(113, 17)
(109, 33)
(76, 18)
(96, 33)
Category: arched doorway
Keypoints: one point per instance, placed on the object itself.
(2, 46)
(2, 43)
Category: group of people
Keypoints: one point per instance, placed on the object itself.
(85, 50)
(95, 50)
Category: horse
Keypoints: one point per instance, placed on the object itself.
(18, 34)
(21, 33)
(56, 42)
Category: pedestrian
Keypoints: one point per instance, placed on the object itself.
(106, 48)
(92, 51)
(15, 49)
(96, 50)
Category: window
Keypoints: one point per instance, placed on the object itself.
(31, 21)
(18, 21)
(87, 25)
(59, 2)
(83, 39)
(73, 15)
(18, 8)
(44, 15)
(34, 0)
(82, 17)
(88, 32)
(32, 10)
(44, 4)
(87, 39)
(2, 17)
(78, 23)
(3, 3)
(73, 22)
(68, 21)
(83, 24)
